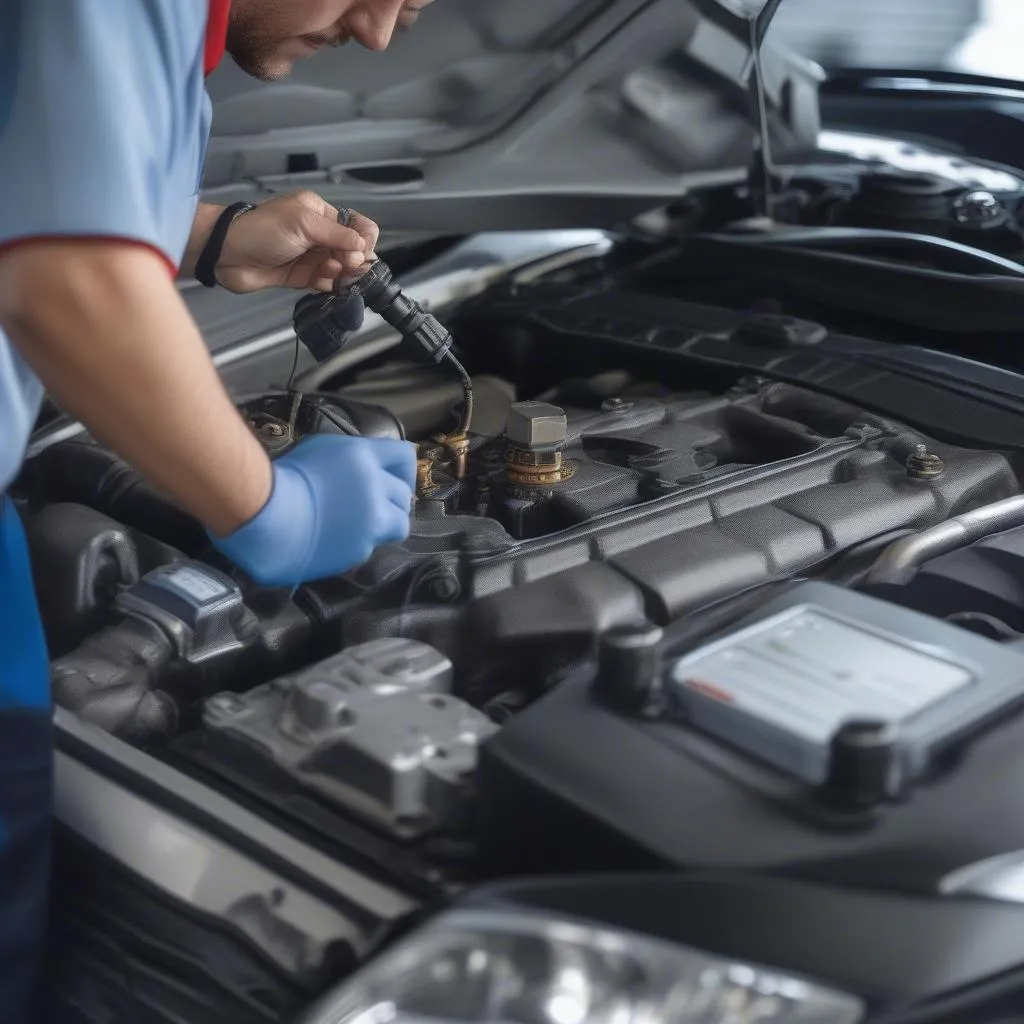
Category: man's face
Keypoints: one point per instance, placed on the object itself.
(266, 37)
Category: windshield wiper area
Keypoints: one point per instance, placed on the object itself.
(918, 280)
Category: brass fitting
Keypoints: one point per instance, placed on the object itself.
(426, 458)
(457, 448)
(425, 485)
(535, 469)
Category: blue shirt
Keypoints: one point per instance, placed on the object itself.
(104, 122)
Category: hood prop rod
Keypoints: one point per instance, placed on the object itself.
(761, 178)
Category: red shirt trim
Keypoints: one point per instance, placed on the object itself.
(20, 243)
(216, 34)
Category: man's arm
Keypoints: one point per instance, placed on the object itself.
(102, 325)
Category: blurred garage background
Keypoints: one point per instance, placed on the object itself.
(984, 37)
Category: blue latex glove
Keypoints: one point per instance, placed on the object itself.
(334, 500)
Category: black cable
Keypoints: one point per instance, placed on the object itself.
(467, 393)
(295, 366)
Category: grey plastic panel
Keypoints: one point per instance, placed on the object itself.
(373, 729)
(496, 116)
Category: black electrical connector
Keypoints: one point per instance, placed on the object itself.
(381, 294)
(324, 323)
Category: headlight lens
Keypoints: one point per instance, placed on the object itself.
(477, 966)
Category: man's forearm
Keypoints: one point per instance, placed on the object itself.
(106, 331)
(202, 224)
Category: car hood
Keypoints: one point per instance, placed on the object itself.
(492, 115)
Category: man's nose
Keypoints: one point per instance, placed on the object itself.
(373, 24)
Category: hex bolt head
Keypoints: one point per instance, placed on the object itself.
(536, 424)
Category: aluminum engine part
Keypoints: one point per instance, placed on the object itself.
(374, 729)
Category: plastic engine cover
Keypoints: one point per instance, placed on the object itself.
(374, 729)
(728, 789)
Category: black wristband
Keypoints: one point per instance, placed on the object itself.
(206, 265)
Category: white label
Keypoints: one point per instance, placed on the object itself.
(807, 673)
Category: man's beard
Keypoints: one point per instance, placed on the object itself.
(263, 68)
(256, 53)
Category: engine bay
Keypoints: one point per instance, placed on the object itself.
(638, 468)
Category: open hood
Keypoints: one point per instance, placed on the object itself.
(492, 115)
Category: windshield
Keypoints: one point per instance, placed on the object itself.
(982, 37)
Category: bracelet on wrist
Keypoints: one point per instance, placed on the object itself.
(206, 265)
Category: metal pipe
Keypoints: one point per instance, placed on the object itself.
(897, 563)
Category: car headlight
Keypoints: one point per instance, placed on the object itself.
(521, 968)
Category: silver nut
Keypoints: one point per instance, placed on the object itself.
(536, 423)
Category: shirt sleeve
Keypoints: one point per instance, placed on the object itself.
(101, 114)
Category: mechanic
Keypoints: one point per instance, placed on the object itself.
(104, 122)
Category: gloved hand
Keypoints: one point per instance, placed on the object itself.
(334, 500)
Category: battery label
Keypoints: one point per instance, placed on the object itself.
(807, 672)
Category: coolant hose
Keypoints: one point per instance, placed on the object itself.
(898, 562)
(112, 681)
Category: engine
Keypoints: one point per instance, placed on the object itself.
(712, 588)
(697, 470)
